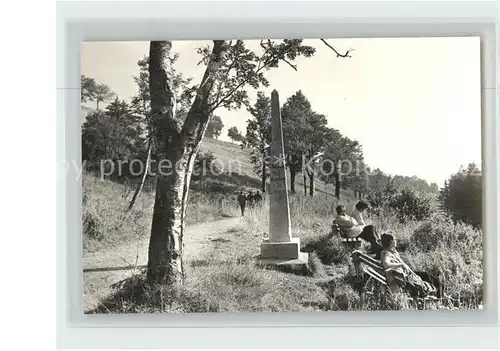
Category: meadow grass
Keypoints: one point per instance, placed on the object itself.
(107, 222)
(228, 280)
(226, 276)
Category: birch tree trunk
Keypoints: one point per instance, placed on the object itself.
(311, 183)
(292, 180)
(337, 185)
(140, 185)
(264, 175)
(304, 180)
(178, 148)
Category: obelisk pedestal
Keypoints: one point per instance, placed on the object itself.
(280, 248)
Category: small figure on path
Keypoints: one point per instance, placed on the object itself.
(250, 198)
(258, 197)
(242, 201)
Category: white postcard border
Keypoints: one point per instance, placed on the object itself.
(114, 21)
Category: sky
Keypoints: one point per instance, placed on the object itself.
(414, 104)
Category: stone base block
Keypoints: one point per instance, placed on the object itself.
(302, 259)
(298, 265)
(280, 251)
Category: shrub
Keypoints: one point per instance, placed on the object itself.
(407, 205)
(442, 232)
(461, 196)
(113, 134)
(316, 267)
(454, 253)
(204, 164)
(92, 226)
(410, 205)
(343, 297)
(134, 295)
(328, 250)
(380, 195)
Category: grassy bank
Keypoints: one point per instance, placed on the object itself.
(107, 221)
(227, 279)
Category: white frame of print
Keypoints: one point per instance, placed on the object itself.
(144, 21)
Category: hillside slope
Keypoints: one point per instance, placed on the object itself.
(233, 158)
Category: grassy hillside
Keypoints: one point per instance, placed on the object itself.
(226, 277)
(107, 221)
(234, 158)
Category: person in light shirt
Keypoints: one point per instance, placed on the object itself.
(397, 270)
(356, 228)
(358, 211)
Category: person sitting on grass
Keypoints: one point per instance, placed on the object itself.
(352, 229)
(397, 270)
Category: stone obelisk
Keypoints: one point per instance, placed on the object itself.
(280, 246)
(279, 210)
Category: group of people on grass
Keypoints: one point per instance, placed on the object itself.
(250, 199)
(384, 248)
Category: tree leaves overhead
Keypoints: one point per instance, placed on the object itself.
(243, 67)
(182, 87)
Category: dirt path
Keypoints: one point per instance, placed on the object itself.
(97, 283)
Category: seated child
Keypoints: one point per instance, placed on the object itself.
(395, 268)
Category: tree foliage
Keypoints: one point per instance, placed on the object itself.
(205, 164)
(230, 69)
(88, 89)
(415, 183)
(182, 88)
(214, 127)
(295, 113)
(462, 197)
(344, 163)
(318, 150)
(235, 134)
(258, 136)
(243, 67)
(410, 204)
(103, 93)
(114, 134)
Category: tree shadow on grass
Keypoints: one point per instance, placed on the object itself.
(221, 240)
(135, 295)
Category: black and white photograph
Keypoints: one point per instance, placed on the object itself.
(282, 175)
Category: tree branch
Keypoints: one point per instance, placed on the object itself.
(293, 66)
(259, 68)
(334, 50)
(228, 95)
(220, 85)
